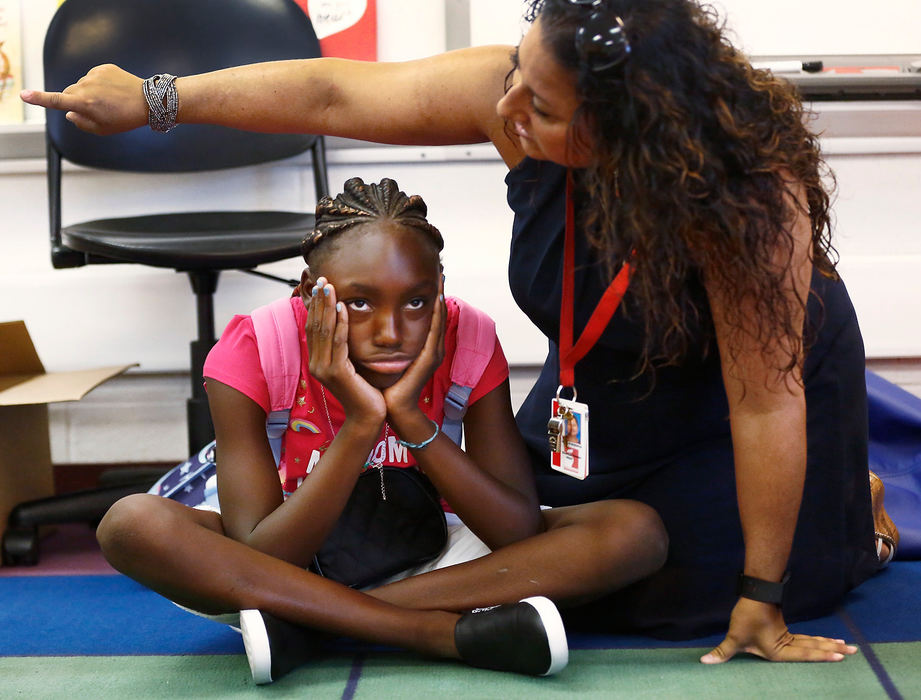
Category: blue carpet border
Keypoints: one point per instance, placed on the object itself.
(113, 615)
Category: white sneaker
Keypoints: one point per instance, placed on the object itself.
(275, 647)
(256, 643)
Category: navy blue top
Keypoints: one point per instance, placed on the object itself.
(668, 443)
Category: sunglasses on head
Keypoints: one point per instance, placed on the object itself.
(601, 41)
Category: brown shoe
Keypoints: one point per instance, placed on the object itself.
(883, 527)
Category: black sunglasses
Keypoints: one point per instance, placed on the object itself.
(601, 41)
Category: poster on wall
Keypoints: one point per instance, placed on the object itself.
(11, 111)
(345, 28)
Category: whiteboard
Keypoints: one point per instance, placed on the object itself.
(823, 27)
(765, 27)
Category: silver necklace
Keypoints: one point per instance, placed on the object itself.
(371, 463)
(332, 432)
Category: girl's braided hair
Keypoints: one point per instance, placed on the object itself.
(361, 204)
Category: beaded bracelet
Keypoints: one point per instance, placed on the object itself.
(424, 443)
(162, 101)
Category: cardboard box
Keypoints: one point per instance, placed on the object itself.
(26, 389)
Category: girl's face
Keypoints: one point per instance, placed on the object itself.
(387, 277)
(541, 103)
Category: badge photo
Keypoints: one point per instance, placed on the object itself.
(567, 432)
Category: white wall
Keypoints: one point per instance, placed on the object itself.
(116, 314)
(794, 27)
(765, 27)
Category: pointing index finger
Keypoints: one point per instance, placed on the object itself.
(50, 100)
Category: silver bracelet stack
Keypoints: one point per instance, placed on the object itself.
(162, 101)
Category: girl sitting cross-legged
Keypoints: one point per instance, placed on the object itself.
(377, 340)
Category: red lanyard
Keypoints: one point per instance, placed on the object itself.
(570, 354)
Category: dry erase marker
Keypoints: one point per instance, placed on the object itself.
(789, 66)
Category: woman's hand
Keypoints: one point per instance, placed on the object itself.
(759, 629)
(327, 343)
(403, 396)
(107, 100)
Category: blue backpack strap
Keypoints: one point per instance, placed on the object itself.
(278, 342)
(476, 343)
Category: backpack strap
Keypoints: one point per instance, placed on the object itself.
(476, 342)
(278, 342)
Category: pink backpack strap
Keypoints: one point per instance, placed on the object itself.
(476, 343)
(278, 342)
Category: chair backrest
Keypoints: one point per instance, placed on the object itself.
(181, 37)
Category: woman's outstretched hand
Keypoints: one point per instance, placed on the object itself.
(107, 100)
(759, 629)
(327, 343)
(403, 396)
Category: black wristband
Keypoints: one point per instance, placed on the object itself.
(761, 590)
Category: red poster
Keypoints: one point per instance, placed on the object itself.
(346, 28)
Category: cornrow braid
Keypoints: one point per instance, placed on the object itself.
(362, 203)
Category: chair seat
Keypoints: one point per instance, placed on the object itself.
(218, 240)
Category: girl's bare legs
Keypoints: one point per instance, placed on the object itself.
(183, 554)
(586, 551)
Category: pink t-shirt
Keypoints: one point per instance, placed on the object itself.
(316, 415)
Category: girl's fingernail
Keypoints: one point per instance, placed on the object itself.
(313, 292)
(326, 290)
(441, 297)
(338, 307)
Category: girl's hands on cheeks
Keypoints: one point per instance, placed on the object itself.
(759, 629)
(107, 100)
(328, 347)
(403, 396)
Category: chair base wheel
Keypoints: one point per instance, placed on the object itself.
(20, 547)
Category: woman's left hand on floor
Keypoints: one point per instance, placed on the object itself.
(759, 629)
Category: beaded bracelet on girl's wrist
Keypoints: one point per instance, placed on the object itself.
(424, 443)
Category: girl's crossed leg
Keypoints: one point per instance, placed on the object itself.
(585, 551)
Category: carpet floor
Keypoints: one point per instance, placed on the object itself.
(71, 627)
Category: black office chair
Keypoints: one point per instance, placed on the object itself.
(180, 37)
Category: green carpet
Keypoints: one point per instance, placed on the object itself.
(610, 674)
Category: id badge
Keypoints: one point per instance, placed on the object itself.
(567, 432)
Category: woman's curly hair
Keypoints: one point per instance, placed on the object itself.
(365, 203)
(702, 160)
